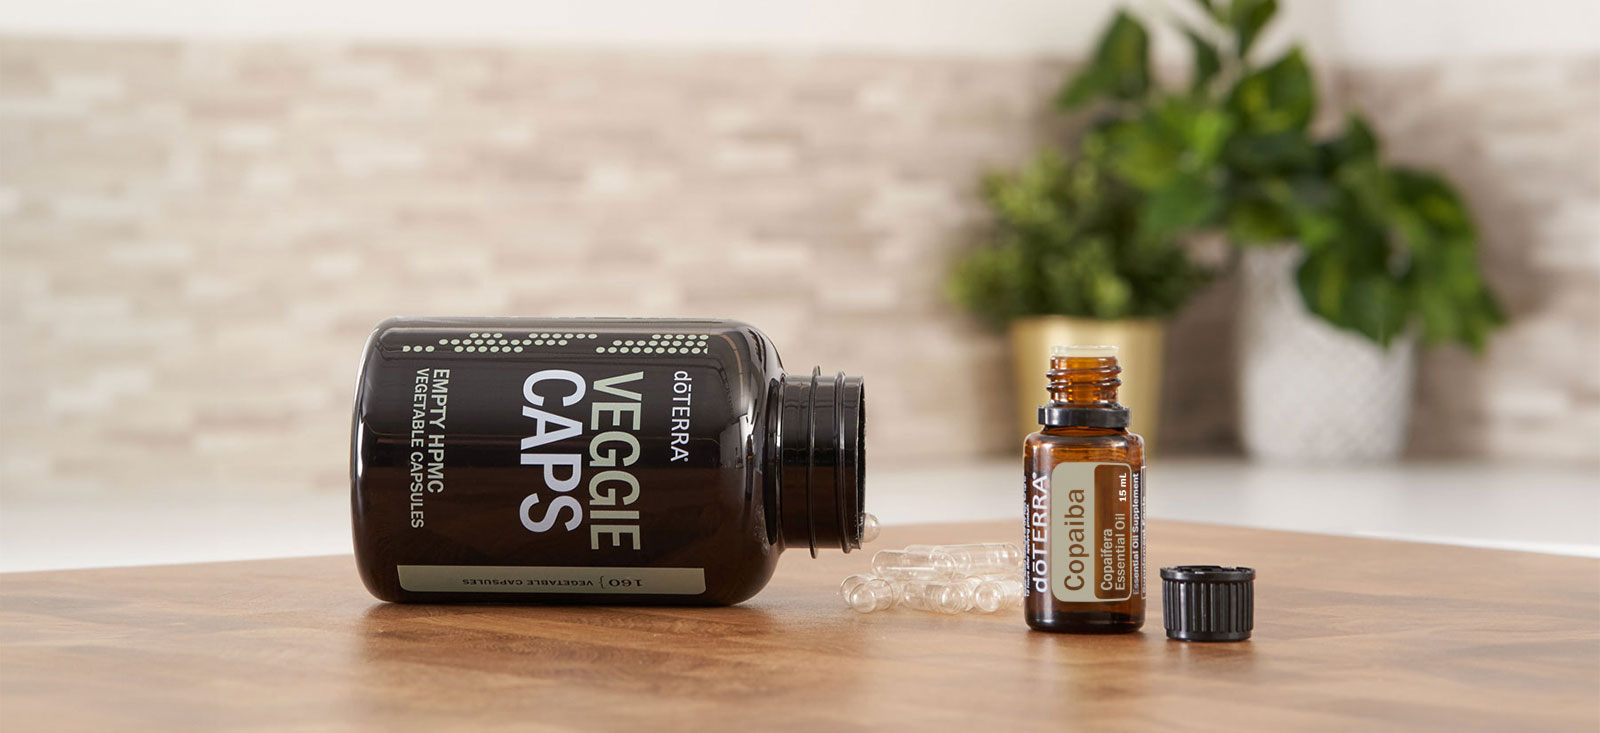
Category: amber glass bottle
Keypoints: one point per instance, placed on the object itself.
(1084, 515)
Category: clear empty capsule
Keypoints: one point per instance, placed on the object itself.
(983, 558)
(866, 593)
(937, 596)
(907, 564)
(952, 579)
(874, 596)
(851, 582)
(996, 592)
(955, 596)
(913, 594)
(869, 528)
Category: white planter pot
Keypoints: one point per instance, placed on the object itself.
(1309, 391)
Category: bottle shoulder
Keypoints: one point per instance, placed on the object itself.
(1060, 434)
(1062, 445)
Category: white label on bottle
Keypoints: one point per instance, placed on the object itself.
(1094, 535)
(533, 579)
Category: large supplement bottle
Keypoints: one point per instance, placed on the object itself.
(516, 460)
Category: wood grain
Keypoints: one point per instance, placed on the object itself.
(1351, 634)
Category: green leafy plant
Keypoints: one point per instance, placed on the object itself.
(1067, 241)
(1386, 247)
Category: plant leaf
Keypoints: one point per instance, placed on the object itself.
(1172, 138)
(1438, 209)
(1377, 307)
(1082, 88)
(1351, 296)
(1370, 189)
(1184, 204)
(1258, 221)
(1206, 133)
(1276, 98)
(1120, 68)
(1271, 155)
(1322, 280)
(1206, 60)
(1446, 283)
(1139, 153)
(1356, 144)
(1247, 18)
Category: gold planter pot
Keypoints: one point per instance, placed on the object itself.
(1141, 351)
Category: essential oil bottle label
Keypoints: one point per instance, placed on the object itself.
(513, 579)
(1094, 532)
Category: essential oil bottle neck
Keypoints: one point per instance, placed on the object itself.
(1083, 393)
(817, 461)
(1084, 381)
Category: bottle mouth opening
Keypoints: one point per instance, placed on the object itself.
(858, 469)
(1083, 351)
(822, 454)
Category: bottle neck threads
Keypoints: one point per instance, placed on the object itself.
(817, 491)
(1083, 392)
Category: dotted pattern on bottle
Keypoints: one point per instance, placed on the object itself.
(498, 342)
(658, 343)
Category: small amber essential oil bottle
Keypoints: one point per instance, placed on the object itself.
(1084, 526)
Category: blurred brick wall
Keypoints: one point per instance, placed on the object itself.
(196, 237)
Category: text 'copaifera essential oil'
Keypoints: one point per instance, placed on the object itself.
(1083, 536)
(594, 461)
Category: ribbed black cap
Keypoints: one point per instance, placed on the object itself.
(1208, 602)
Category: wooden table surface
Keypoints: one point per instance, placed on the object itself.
(1351, 634)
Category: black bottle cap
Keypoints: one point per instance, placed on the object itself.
(1208, 602)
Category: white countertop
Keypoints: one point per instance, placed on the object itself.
(1516, 507)
(1520, 507)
